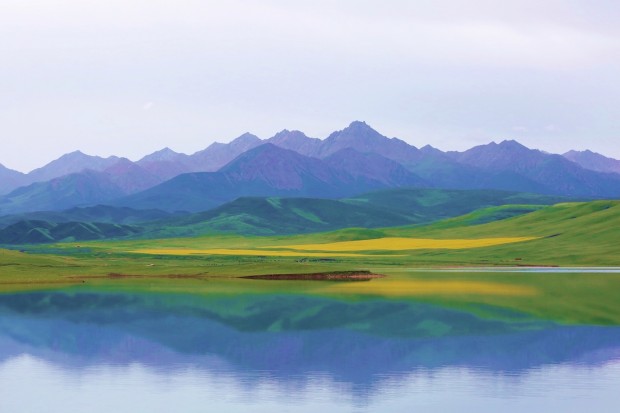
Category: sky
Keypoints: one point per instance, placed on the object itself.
(129, 77)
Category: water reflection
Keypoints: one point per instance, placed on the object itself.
(286, 349)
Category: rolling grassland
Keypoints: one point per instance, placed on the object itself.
(412, 258)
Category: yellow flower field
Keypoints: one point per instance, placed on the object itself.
(400, 244)
(341, 249)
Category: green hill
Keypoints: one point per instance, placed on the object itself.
(270, 216)
(275, 216)
(36, 232)
(98, 213)
(427, 205)
(387, 208)
(575, 233)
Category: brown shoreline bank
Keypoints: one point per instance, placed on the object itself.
(320, 276)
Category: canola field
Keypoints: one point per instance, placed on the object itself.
(344, 248)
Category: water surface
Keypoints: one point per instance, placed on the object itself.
(77, 351)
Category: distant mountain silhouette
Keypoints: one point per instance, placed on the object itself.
(297, 141)
(165, 163)
(84, 188)
(352, 160)
(554, 173)
(71, 163)
(10, 179)
(130, 177)
(594, 161)
(363, 138)
(373, 168)
(219, 154)
(266, 170)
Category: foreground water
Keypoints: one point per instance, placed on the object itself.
(102, 352)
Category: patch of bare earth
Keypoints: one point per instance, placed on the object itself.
(320, 276)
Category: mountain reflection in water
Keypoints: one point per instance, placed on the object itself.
(288, 338)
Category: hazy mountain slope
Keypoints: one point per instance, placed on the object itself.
(263, 171)
(593, 161)
(10, 179)
(554, 173)
(81, 188)
(130, 177)
(286, 170)
(166, 164)
(71, 163)
(432, 167)
(163, 155)
(196, 191)
(219, 154)
(88, 187)
(363, 138)
(266, 170)
(296, 141)
(374, 167)
(353, 160)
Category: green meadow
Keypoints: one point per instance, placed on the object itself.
(434, 263)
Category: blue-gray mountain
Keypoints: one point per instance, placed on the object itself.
(353, 160)
(593, 161)
(10, 179)
(268, 170)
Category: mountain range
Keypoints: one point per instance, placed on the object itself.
(348, 162)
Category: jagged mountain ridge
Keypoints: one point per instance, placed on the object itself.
(368, 159)
(71, 163)
(152, 169)
(266, 170)
(556, 174)
(594, 161)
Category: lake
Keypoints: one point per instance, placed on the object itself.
(107, 351)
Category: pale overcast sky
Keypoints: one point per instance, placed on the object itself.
(130, 77)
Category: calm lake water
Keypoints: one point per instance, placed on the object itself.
(121, 352)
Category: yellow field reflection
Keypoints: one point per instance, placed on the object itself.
(411, 288)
